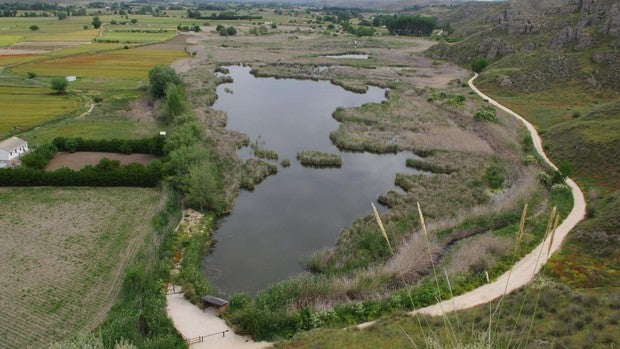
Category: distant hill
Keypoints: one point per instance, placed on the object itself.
(558, 62)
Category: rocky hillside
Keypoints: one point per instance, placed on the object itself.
(534, 44)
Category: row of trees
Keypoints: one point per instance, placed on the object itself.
(40, 157)
(107, 173)
(193, 169)
(410, 25)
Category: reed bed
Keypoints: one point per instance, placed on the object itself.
(315, 158)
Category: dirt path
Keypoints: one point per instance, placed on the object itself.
(525, 270)
(197, 325)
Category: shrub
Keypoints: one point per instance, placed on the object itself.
(487, 113)
(530, 160)
(494, 176)
(31, 75)
(40, 157)
(560, 189)
(545, 179)
(479, 64)
(34, 27)
(228, 31)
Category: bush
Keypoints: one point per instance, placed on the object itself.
(545, 179)
(560, 189)
(40, 157)
(479, 64)
(487, 113)
(34, 27)
(228, 31)
(530, 160)
(31, 75)
(494, 176)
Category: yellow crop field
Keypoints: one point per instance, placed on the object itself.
(126, 64)
(79, 35)
(8, 40)
(25, 107)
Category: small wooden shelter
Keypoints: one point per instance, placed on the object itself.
(211, 301)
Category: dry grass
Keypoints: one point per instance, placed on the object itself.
(478, 250)
(412, 257)
(63, 254)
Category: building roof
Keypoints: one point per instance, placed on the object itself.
(12, 143)
(214, 300)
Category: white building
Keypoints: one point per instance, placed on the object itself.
(12, 148)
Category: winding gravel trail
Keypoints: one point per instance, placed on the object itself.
(524, 270)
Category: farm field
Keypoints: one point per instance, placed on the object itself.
(125, 64)
(78, 160)
(104, 69)
(63, 256)
(24, 107)
(128, 36)
(91, 129)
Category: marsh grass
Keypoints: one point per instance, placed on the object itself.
(315, 158)
(254, 171)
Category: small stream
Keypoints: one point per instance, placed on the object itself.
(300, 210)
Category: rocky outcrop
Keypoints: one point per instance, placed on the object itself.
(494, 48)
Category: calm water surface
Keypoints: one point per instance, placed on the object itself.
(300, 210)
(350, 56)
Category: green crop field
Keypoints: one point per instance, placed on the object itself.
(63, 254)
(50, 29)
(146, 37)
(25, 107)
(91, 129)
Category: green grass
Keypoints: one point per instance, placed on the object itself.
(8, 40)
(25, 107)
(563, 318)
(91, 129)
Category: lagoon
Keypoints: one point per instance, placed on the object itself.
(272, 229)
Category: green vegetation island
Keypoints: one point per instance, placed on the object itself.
(483, 138)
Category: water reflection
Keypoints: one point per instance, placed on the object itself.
(300, 210)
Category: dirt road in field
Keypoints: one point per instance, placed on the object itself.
(525, 270)
(204, 329)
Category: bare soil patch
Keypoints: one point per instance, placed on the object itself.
(78, 160)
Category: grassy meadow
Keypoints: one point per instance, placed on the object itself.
(63, 256)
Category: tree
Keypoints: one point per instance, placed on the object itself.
(34, 27)
(479, 64)
(204, 188)
(159, 77)
(59, 84)
(96, 22)
(174, 102)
